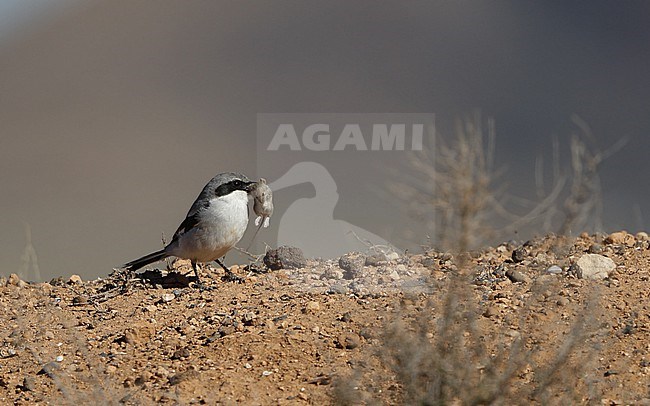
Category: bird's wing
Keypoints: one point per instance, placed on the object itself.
(189, 223)
(193, 218)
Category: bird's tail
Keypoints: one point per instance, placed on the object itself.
(146, 260)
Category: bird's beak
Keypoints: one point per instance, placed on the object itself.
(250, 186)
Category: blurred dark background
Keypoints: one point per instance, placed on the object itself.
(114, 114)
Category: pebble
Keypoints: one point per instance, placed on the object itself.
(595, 249)
(642, 236)
(14, 279)
(620, 238)
(46, 288)
(429, 263)
(563, 301)
(333, 273)
(594, 266)
(168, 297)
(348, 341)
(161, 372)
(183, 376)
(519, 254)
(352, 263)
(554, 269)
(285, 257)
(29, 383)
(74, 280)
(375, 258)
(491, 311)
(392, 256)
(516, 276)
(181, 353)
(337, 289)
(312, 307)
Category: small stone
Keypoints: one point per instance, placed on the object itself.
(161, 372)
(29, 384)
(594, 266)
(80, 300)
(563, 301)
(394, 275)
(642, 236)
(333, 273)
(111, 369)
(392, 256)
(74, 280)
(491, 311)
(49, 369)
(337, 289)
(348, 341)
(13, 279)
(137, 335)
(168, 297)
(429, 263)
(183, 376)
(267, 373)
(519, 254)
(446, 256)
(375, 258)
(595, 249)
(181, 353)
(311, 307)
(249, 318)
(516, 276)
(226, 330)
(554, 269)
(285, 257)
(620, 238)
(146, 376)
(46, 288)
(352, 263)
(59, 358)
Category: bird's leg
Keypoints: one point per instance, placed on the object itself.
(229, 276)
(196, 271)
(198, 284)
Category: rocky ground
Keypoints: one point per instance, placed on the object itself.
(555, 320)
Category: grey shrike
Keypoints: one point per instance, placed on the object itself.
(215, 223)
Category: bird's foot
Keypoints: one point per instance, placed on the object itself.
(231, 277)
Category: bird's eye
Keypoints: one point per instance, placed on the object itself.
(238, 183)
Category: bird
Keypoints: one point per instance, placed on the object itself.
(216, 222)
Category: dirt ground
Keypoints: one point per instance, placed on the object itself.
(513, 324)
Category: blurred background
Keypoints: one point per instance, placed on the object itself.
(114, 114)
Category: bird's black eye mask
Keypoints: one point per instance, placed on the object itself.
(231, 186)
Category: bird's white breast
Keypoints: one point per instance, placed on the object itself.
(222, 224)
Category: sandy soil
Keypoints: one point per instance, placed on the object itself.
(512, 328)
